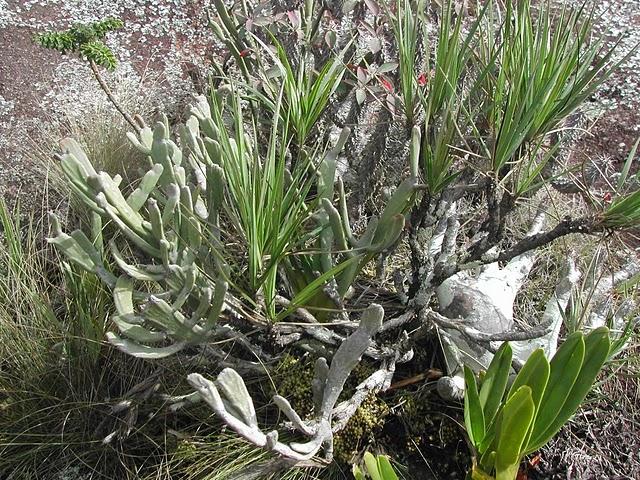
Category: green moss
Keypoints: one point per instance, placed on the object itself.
(366, 423)
(293, 377)
(360, 430)
(416, 418)
(422, 426)
(185, 449)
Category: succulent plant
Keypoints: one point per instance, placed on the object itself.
(230, 400)
(504, 424)
(161, 219)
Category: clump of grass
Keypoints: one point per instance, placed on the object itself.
(408, 27)
(97, 127)
(624, 211)
(306, 93)
(224, 456)
(538, 74)
(58, 381)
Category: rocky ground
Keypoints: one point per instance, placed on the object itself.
(44, 94)
(162, 49)
(616, 112)
(165, 44)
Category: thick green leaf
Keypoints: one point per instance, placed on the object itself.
(137, 272)
(488, 442)
(534, 374)
(495, 382)
(357, 473)
(166, 319)
(236, 396)
(143, 351)
(488, 459)
(473, 414)
(565, 367)
(372, 466)
(397, 204)
(385, 468)
(478, 474)
(140, 195)
(518, 416)
(72, 148)
(123, 295)
(137, 332)
(596, 351)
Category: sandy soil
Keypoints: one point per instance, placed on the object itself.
(162, 44)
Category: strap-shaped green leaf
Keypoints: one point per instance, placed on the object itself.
(565, 367)
(372, 466)
(535, 374)
(473, 414)
(488, 442)
(478, 474)
(518, 416)
(357, 473)
(488, 459)
(385, 468)
(596, 351)
(495, 382)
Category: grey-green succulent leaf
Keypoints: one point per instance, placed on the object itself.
(143, 351)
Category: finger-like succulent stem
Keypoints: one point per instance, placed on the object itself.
(231, 401)
(348, 355)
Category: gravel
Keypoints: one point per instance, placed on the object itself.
(163, 42)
